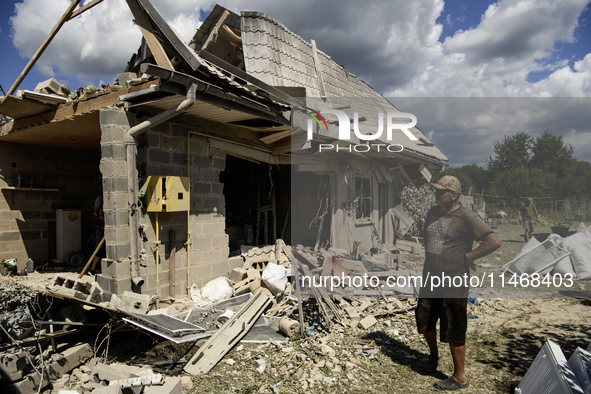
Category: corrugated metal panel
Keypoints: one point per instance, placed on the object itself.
(580, 363)
(549, 374)
(542, 257)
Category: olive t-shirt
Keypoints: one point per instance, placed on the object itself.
(527, 211)
(448, 238)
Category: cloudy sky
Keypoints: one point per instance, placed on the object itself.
(421, 48)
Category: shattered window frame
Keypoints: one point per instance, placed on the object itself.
(363, 198)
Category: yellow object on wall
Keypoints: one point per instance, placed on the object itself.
(168, 194)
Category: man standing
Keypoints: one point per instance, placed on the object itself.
(450, 230)
(527, 210)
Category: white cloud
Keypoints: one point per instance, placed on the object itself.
(392, 45)
(98, 43)
(465, 129)
(514, 38)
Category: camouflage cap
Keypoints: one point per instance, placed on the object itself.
(448, 182)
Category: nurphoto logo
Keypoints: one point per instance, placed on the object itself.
(344, 122)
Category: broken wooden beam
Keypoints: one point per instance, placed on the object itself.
(228, 335)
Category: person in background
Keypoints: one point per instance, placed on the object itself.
(526, 213)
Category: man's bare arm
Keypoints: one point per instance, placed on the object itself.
(487, 246)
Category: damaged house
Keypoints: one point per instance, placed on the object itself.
(199, 149)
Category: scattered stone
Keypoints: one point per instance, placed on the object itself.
(260, 365)
(327, 351)
(367, 322)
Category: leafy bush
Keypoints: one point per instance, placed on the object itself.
(416, 203)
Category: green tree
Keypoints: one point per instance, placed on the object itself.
(512, 152)
(470, 176)
(551, 153)
(576, 182)
(516, 183)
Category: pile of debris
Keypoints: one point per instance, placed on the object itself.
(265, 301)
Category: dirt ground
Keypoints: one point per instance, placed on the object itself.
(504, 336)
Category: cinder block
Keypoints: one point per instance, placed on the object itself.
(235, 262)
(136, 303)
(116, 269)
(52, 86)
(200, 187)
(110, 116)
(29, 384)
(116, 218)
(367, 322)
(107, 372)
(201, 243)
(10, 376)
(113, 133)
(220, 269)
(71, 358)
(71, 313)
(219, 241)
(114, 389)
(119, 233)
(118, 251)
(172, 385)
(219, 163)
(113, 285)
(95, 294)
(13, 362)
(112, 168)
(122, 78)
(104, 282)
(352, 312)
(237, 275)
(174, 144)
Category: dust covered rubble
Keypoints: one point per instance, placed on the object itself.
(359, 330)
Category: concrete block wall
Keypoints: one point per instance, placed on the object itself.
(168, 149)
(27, 217)
(114, 125)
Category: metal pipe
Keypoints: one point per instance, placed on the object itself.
(132, 180)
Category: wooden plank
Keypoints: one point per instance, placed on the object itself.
(18, 108)
(243, 151)
(214, 31)
(318, 68)
(156, 49)
(406, 221)
(172, 265)
(148, 32)
(404, 174)
(43, 46)
(228, 335)
(272, 138)
(84, 8)
(172, 42)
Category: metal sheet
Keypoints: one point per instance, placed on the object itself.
(168, 327)
(549, 373)
(580, 363)
(540, 258)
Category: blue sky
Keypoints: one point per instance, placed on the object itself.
(422, 48)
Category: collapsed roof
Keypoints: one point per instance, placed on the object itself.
(250, 69)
